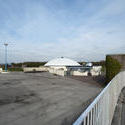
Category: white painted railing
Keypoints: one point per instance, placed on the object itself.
(101, 110)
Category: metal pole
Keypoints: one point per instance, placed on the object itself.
(5, 56)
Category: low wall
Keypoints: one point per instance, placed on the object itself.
(78, 73)
(57, 71)
(37, 69)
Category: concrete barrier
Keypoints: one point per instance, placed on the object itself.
(57, 71)
(78, 73)
(35, 69)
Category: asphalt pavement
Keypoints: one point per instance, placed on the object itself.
(43, 98)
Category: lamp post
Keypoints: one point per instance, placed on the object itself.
(5, 44)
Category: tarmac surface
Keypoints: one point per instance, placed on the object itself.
(43, 98)
(119, 115)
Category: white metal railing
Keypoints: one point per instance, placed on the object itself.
(101, 110)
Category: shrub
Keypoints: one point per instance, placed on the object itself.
(112, 68)
(15, 69)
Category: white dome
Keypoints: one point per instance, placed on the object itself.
(89, 64)
(62, 62)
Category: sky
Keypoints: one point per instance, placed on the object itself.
(40, 30)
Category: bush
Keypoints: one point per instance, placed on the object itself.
(15, 69)
(28, 64)
(113, 67)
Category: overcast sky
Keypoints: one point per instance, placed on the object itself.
(39, 30)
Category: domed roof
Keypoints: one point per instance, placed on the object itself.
(62, 62)
(89, 64)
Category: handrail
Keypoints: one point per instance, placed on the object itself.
(101, 110)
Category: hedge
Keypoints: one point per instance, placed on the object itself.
(112, 68)
(15, 69)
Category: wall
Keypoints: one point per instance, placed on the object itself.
(1, 70)
(38, 69)
(78, 73)
(63, 71)
(59, 67)
(57, 71)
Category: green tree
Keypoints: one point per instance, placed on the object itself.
(113, 67)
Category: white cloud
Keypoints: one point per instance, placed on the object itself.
(41, 35)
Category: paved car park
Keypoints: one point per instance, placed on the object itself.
(43, 98)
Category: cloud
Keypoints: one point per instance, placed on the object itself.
(38, 31)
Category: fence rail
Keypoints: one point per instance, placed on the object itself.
(101, 110)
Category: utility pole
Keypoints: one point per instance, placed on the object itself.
(5, 44)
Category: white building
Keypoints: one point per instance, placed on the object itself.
(62, 63)
(61, 66)
(89, 64)
(64, 66)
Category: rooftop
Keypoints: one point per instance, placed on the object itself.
(42, 98)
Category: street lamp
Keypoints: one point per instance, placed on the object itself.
(5, 44)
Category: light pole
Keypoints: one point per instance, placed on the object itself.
(5, 44)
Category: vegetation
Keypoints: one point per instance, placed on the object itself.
(19, 66)
(28, 64)
(103, 69)
(15, 69)
(99, 63)
(12, 69)
(112, 68)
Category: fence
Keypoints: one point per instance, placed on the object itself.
(101, 110)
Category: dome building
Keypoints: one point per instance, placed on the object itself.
(62, 62)
(63, 66)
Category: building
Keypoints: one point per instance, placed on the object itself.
(65, 66)
(62, 63)
(62, 66)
